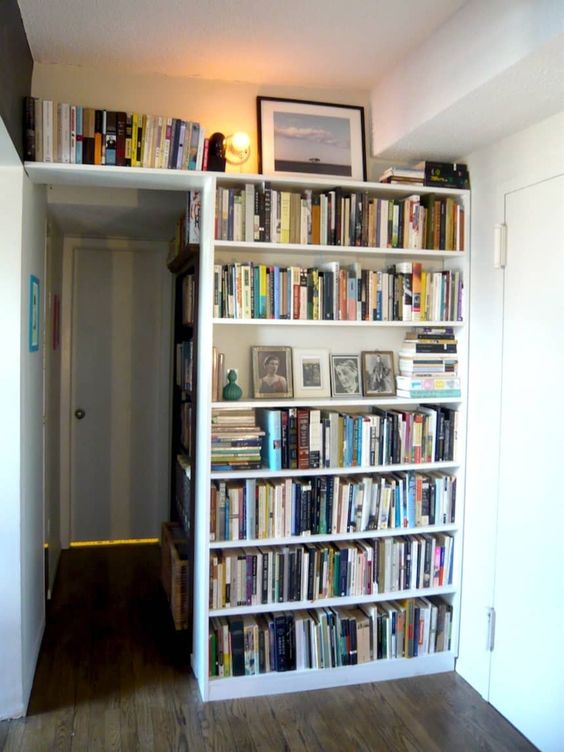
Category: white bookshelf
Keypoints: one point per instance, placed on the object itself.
(235, 338)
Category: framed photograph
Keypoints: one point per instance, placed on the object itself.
(298, 137)
(378, 375)
(34, 313)
(311, 373)
(345, 376)
(272, 372)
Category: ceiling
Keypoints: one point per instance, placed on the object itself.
(313, 43)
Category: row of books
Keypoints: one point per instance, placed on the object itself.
(73, 134)
(236, 440)
(256, 509)
(428, 364)
(338, 217)
(303, 438)
(184, 365)
(329, 637)
(402, 292)
(283, 574)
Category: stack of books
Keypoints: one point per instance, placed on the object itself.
(428, 364)
(413, 175)
(236, 440)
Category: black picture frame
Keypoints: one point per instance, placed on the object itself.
(296, 137)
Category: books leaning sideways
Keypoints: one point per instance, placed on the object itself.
(411, 175)
(428, 364)
(236, 440)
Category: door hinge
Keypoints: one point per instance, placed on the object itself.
(500, 246)
(491, 629)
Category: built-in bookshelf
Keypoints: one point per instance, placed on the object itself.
(303, 586)
(378, 595)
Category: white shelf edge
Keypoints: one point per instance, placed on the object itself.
(293, 681)
(334, 402)
(265, 473)
(312, 322)
(312, 249)
(146, 178)
(313, 181)
(363, 535)
(347, 600)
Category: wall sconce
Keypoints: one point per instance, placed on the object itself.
(237, 148)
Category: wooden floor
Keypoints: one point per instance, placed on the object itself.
(113, 675)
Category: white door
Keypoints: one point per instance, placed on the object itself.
(527, 667)
(119, 394)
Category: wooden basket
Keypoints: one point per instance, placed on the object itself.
(174, 572)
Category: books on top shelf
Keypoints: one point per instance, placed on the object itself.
(428, 364)
(318, 571)
(333, 292)
(338, 217)
(73, 134)
(235, 440)
(328, 638)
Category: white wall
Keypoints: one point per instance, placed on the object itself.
(31, 439)
(22, 611)
(11, 179)
(504, 58)
(219, 105)
(533, 154)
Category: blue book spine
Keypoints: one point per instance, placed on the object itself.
(272, 442)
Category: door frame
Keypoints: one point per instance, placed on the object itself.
(70, 244)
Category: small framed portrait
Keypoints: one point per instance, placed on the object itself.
(378, 375)
(311, 373)
(272, 372)
(345, 376)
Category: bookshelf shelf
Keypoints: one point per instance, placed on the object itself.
(334, 324)
(310, 679)
(334, 402)
(339, 250)
(309, 473)
(364, 535)
(263, 608)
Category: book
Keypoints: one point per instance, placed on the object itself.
(427, 393)
(402, 175)
(446, 174)
(271, 423)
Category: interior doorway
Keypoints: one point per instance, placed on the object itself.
(118, 395)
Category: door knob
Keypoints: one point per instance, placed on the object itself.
(79, 414)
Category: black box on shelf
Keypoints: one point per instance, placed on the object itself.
(447, 175)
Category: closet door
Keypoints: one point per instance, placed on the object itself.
(527, 666)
